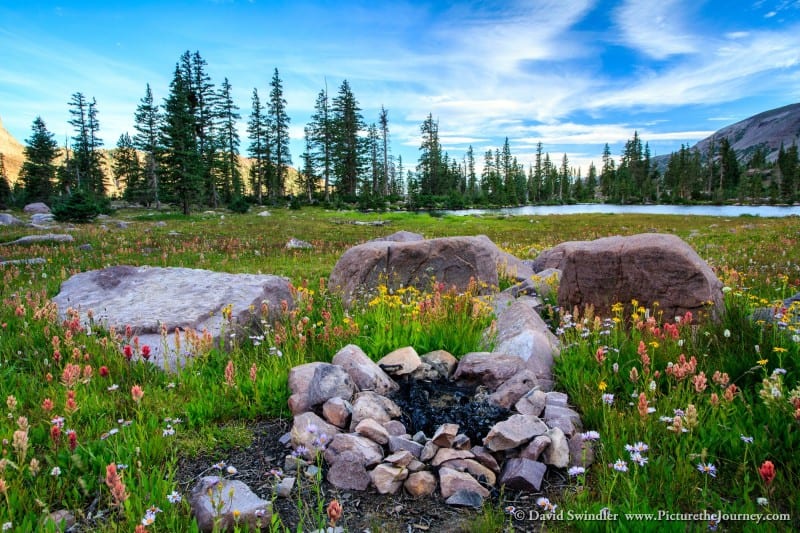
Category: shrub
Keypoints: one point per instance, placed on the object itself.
(80, 207)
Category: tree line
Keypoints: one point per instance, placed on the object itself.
(186, 152)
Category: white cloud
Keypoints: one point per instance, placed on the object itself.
(656, 28)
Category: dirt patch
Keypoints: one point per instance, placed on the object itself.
(363, 511)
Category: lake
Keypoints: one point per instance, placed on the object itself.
(577, 209)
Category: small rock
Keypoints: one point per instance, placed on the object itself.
(581, 452)
(337, 411)
(420, 437)
(555, 411)
(513, 432)
(564, 423)
(62, 519)
(535, 448)
(416, 465)
(370, 451)
(532, 403)
(523, 474)
(451, 481)
(399, 443)
(85, 247)
(388, 479)
(420, 484)
(442, 361)
(160, 224)
(425, 372)
(309, 430)
(428, 451)
(330, 381)
(300, 378)
(462, 442)
(448, 454)
(401, 458)
(465, 498)
(311, 472)
(368, 404)
(42, 218)
(284, 488)
(557, 454)
(400, 362)
(366, 374)
(373, 431)
(514, 388)
(445, 435)
(214, 500)
(297, 244)
(265, 214)
(484, 457)
(348, 472)
(395, 427)
(480, 472)
(556, 398)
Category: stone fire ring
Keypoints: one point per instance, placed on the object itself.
(343, 411)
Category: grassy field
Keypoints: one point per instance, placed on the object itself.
(76, 406)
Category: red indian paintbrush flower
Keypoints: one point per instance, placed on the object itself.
(767, 472)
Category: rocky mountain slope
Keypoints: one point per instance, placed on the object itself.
(12, 151)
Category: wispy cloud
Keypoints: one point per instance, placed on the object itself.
(657, 28)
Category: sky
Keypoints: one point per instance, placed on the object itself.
(571, 74)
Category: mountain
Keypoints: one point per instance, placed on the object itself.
(767, 130)
(12, 151)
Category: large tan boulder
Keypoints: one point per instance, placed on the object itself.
(652, 268)
(450, 260)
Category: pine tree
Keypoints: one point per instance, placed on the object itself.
(84, 170)
(430, 169)
(472, 178)
(126, 170)
(383, 123)
(279, 137)
(258, 150)
(322, 138)
(147, 123)
(789, 167)
(182, 165)
(347, 152)
(5, 187)
(39, 170)
(374, 153)
(308, 177)
(229, 114)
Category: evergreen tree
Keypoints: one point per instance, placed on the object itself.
(84, 170)
(374, 187)
(279, 137)
(147, 123)
(347, 152)
(229, 140)
(182, 166)
(126, 169)
(430, 169)
(383, 123)
(788, 166)
(591, 183)
(5, 187)
(322, 138)
(39, 170)
(729, 171)
(308, 179)
(472, 178)
(258, 150)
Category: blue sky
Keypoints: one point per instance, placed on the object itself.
(573, 74)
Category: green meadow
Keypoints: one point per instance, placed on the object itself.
(697, 421)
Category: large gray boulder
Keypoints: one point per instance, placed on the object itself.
(36, 207)
(9, 220)
(449, 260)
(653, 268)
(224, 504)
(145, 298)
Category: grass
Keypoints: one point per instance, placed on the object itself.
(74, 404)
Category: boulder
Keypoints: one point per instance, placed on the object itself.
(214, 500)
(523, 333)
(513, 389)
(9, 220)
(387, 478)
(531, 403)
(652, 268)
(465, 498)
(513, 432)
(312, 432)
(401, 458)
(453, 261)
(368, 404)
(400, 236)
(490, 369)
(145, 298)
(36, 207)
(42, 237)
(397, 444)
(372, 430)
(366, 374)
(448, 454)
(300, 378)
(442, 361)
(479, 471)
(535, 448)
(445, 435)
(557, 453)
(337, 411)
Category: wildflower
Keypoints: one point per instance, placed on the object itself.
(7, 526)
(640, 447)
(128, 352)
(55, 472)
(638, 458)
(34, 466)
(778, 371)
(746, 440)
(700, 382)
(219, 466)
(231, 470)
(104, 371)
(168, 431)
(707, 468)
(115, 485)
(714, 399)
(633, 375)
(11, 402)
(312, 428)
(300, 451)
(112, 388)
(652, 386)
(730, 392)
(762, 501)
(47, 405)
(643, 409)
(509, 509)
(763, 362)
(576, 471)
(600, 355)
(620, 466)
(146, 352)
(608, 399)
(590, 435)
(726, 333)
(174, 497)
(767, 472)
(137, 393)
(253, 370)
(230, 374)
(72, 438)
(544, 504)
(334, 511)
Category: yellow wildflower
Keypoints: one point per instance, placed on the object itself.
(763, 362)
(602, 386)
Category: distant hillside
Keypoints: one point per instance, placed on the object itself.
(12, 151)
(766, 130)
